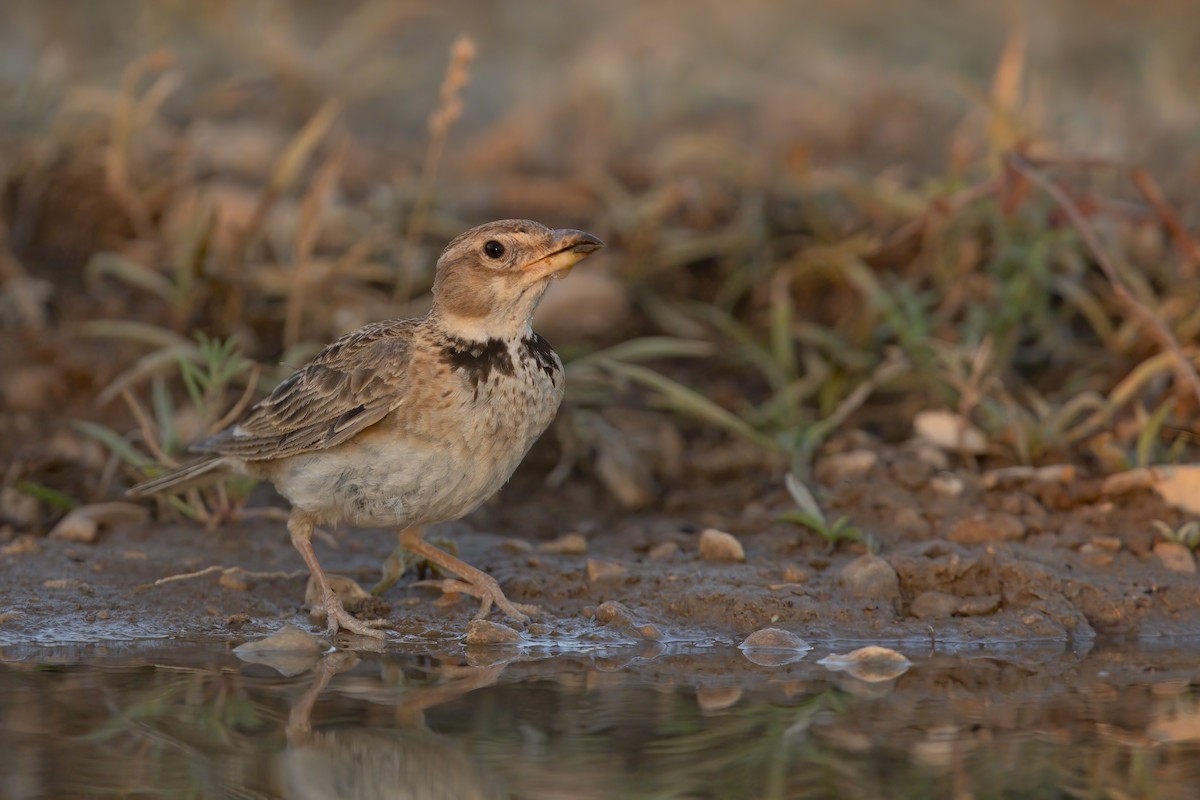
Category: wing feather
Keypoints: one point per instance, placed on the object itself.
(349, 386)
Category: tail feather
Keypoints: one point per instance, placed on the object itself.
(186, 476)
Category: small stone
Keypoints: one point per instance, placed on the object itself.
(569, 544)
(662, 551)
(984, 528)
(83, 524)
(233, 582)
(795, 574)
(774, 639)
(1096, 559)
(516, 545)
(978, 606)
(290, 651)
(237, 621)
(950, 432)
(481, 632)
(65, 583)
(718, 545)
(1110, 543)
(22, 546)
(650, 632)
(715, 698)
(1175, 557)
(613, 613)
(947, 485)
(103, 614)
(870, 664)
(869, 576)
(598, 570)
(934, 605)
(912, 523)
(347, 590)
(845, 466)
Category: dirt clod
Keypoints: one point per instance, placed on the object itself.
(1175, 557)
(984, 528)
(600, 570)
(870, 577)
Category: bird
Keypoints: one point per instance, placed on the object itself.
(411, 422)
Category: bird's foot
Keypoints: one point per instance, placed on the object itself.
(489, 593)
(340, 619)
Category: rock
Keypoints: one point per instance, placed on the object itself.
(845, 466)
(481, 632)
(598, 570)
(934, 605)
(347, 589)
(1175, 557)
(516, 545)
(1109, 543)
(912, 523)
(870, 664)
(869, 576)
(984, 528)
(715, 698)
(949, 431)
(947, 485)
(662, 551)
(289, 651)
(230, 581)
(569, 544)
(979, 606)
(1006, 476)
(774, 639)
(717, 545)
(614, 614)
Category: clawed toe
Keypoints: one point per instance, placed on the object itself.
(489, 594)
(340, 619)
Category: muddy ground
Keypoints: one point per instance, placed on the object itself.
(956, 563)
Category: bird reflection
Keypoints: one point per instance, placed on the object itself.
(360, 762)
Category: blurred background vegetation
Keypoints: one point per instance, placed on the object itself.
(820, 217)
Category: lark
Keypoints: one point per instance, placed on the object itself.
(411, 422)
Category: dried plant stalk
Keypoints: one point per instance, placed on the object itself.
(450, 106)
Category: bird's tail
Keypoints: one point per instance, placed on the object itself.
(187, 476)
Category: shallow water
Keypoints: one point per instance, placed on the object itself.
(173, 719)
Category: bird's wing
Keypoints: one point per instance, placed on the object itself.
(350, 385)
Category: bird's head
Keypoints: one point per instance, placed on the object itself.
(491, 278)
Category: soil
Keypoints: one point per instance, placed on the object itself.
(956, 563)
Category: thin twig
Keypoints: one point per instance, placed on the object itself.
(224, 571)
(1183, 240)
(1160, 330)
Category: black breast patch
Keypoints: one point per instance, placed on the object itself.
(538, 349)
(478, 360)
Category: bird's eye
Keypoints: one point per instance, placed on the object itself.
(493, 249)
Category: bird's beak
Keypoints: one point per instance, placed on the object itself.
(566, 249)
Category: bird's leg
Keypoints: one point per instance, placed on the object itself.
(474, 582)
(300, 526)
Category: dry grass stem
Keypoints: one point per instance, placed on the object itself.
(245, 573)
(1157, 327)
(450, 106)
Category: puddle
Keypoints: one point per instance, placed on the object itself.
(173, 719)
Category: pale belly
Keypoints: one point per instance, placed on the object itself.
(419, 469)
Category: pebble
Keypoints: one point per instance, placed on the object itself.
(233, 582)
(949, 431)
(1175, 557)
(290, 651)
(947, 485)
(662, 551)
(774, 639)
(845, 466)
(869, 576)
(83, 524)
(347, 590)
(718, 545)
(870, 664)
(983, 528)
(1110, 543)
(481, 632)
(569, 544)
(598, 570)
(516, 545)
